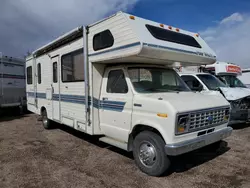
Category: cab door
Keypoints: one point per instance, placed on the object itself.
(115, 105)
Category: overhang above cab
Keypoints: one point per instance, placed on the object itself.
(126, 38)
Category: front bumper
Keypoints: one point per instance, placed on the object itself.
(199, 142)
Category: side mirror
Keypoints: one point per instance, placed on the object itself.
(200, 88)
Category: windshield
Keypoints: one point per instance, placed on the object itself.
(151, 79)
(231, 81)
(211, 81)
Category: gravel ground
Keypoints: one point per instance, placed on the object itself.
(33, 157)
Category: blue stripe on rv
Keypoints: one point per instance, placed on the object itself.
(79, 99)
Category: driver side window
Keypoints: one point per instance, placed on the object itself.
(116, 82)
(192, 82)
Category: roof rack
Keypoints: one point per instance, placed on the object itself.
(66, 38)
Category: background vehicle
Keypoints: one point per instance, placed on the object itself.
(12, 83)
(238, 97)
(226, 72)
(114, 78)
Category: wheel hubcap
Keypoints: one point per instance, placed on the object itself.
(147, 154)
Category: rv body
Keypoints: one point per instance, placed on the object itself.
(12, 82)
(115, 79)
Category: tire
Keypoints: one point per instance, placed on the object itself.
(45, 121)
(157, 161)
(21, 110)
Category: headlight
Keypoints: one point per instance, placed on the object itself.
(182, 124)
(235, 104)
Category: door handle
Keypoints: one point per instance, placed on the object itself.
(104, 98)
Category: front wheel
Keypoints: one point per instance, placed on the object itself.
(45, 121)
(149, 153)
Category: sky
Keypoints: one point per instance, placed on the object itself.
(224, 24)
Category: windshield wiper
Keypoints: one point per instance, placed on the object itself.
(151, 89)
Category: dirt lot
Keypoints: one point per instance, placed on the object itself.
(33, 157)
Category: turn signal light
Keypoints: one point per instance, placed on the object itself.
(162, 115)
(132, 17)
(181, 129)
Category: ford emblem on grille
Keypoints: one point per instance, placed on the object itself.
(210, 119)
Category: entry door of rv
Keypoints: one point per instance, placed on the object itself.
(55, 89)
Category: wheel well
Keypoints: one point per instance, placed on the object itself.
(42, 109)
(136, 130)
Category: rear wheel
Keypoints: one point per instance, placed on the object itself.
(149, 153)
(45, 121)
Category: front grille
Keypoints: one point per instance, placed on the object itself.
(245, 104)
(207, 118)
(241, 104)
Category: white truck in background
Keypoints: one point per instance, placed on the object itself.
(217, 79)
(227, 72)
(12, 83)
(115, 79)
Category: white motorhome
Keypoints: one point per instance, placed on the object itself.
(12, 82)
(114, 78)
(239, 97)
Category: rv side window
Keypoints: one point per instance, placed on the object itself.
(29, 75)
(73, 67)
(39, 80)
(117, 82)
(103, 40)
(55, 74)
(171, 36)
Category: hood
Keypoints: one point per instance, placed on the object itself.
(190, 101)
(235, 93)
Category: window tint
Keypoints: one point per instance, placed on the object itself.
(55, 74)
(29, 75)
(140, 74)
(73, 67)
(103, 40)
(192, 82)
(116, 82)
(39, 79)
(171, 36)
